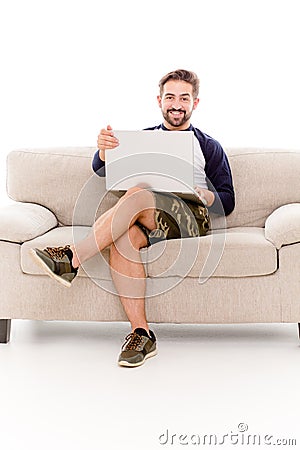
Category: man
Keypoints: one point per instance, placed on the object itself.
(141, 215)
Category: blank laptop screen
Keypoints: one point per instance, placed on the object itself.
(161, 160)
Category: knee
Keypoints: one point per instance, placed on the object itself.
(131, 241)
(140, 197)
(135, 190)
(137, 237)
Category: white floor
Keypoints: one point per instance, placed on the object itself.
(62, 389)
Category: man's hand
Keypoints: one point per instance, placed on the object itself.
(106, 141)
(207, 197)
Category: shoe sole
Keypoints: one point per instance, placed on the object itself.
(47, 269)
(128, 364)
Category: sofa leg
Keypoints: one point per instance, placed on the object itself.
(299, 329)
(4, 330)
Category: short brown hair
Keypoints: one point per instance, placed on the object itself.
(181, 75)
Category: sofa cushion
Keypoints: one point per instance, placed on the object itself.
(239, 252)
(20, 222)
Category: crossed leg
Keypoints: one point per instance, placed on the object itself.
(128, 275)
(116, 228)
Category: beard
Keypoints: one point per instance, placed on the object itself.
(176, 121)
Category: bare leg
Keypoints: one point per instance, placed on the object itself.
(136, 204)
(129, 276)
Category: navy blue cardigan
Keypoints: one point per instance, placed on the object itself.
(217, 169)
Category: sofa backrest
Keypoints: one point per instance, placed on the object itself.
(62, 180)
(264, 180)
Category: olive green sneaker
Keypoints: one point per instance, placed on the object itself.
(57, 263)
(138, 346)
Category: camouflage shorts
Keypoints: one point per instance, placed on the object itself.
(176, 218)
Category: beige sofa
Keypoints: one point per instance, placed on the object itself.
(246, 270)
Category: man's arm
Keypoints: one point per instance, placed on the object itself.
(219, 180)
(106, 141)
(98, 165)
(218, 174)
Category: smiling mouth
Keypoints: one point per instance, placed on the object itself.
(175, 113)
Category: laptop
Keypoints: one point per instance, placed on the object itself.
(160, 160)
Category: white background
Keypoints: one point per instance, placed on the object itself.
(69, 68)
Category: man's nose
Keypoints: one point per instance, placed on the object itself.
(176, 104)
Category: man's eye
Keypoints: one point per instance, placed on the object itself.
(168, 97)
(185, 99)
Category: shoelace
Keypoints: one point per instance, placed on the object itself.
(57, 252)
(132, 341)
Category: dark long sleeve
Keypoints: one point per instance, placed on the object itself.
(98, 165)
(218, 173)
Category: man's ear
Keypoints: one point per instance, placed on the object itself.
(196, 103)
(159, 100)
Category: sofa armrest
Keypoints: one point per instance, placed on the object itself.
(20, 222)
(282, 227)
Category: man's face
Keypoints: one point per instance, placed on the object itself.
(177, 104)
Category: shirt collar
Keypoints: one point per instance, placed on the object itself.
(190, 128)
